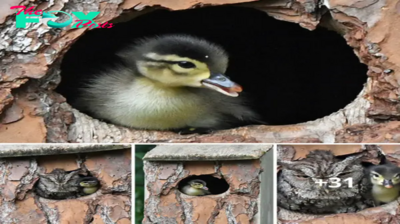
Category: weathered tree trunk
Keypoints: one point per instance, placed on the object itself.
(247, 170)
(110, 204)
(30, 61)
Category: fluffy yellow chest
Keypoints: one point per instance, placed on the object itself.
(385, 195)
(151, 106)
(192, 191)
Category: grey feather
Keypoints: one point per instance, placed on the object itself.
(59, 184)
(298, 190)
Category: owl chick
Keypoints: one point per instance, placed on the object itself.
(195, 188)
(385, 180)
(61, 184)
(320, 184)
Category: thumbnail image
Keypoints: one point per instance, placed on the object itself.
(207, 183)
(328, 182)
(65, 183)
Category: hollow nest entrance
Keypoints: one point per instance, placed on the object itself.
(355, 203)
(213, 185)
(307, 86)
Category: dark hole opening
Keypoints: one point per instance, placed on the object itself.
(291, 74)
(215, 185)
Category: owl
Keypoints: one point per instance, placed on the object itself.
(61, 184)
(322, 184)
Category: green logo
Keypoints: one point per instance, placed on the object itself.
(33, 16)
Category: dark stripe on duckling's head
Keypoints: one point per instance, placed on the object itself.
(181, 61)
(186, 47)
(197, 181)
(386, 171)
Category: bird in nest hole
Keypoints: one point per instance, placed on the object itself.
(385, 180)
(195, 188)
(60, 184)
(170, 82)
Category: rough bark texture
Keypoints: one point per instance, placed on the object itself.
(110, 204)
(166, 204)
(385, 214)
(246, 173)
(34, 113)
(25, 150)
(206, 152)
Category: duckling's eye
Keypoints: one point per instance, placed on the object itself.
(375, 175)
(186, 64)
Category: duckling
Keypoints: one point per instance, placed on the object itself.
(195, 188)
(168, 82)
(88, 185)
(386, 182)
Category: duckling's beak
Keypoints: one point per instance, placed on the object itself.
(205, 188)
(387, 184)
(222, 84)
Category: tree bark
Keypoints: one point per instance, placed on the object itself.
(110, 204)
(248, 173)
